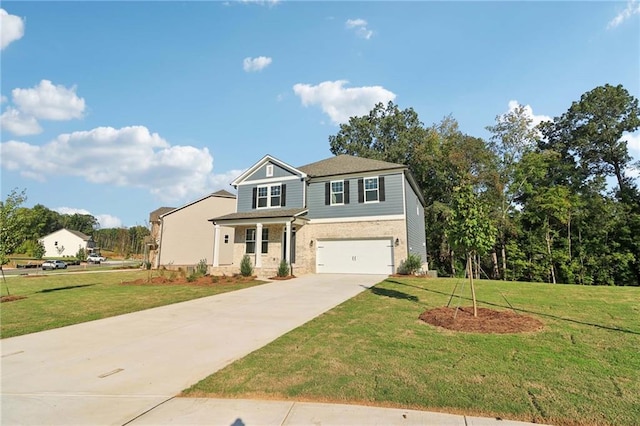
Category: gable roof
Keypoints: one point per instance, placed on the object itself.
(79, 234)
(267, 159)
(347, 164)
(219, 194)
(154, 216)
(223, 193)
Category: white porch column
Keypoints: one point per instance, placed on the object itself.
(287, 254)
(216, 245)
(258, 245)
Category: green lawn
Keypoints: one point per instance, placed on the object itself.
(582, 368)
(59, 299)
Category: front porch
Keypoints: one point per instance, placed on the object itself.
(266, 237)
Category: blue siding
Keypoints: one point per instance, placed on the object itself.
(261, 173)
(294, 197)
(415, 224)
(392, 205)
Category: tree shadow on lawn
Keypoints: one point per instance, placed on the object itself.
(393, 294)
(606, 327)
(69, 287)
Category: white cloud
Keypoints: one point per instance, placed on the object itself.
(70, 210)
(256, 64)
(633, 8)
(49, 102)
(11, 28)
(44, 101)
(107, 221)
(129, 156)
(535, 118)
(3, 99)
(341, 103)
(19, 123)
(360, 28)
(104, 220)
(633, 143)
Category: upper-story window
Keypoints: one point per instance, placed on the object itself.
(269, 196)
(371, 190)
(263, 196)
(275, 196)
(269, 170)
(337, 192)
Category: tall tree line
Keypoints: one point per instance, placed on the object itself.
(556, 199)
(22, 227)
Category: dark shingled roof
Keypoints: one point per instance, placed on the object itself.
(347, 164)
(224, 193)
(260, 214)
(154, 216)
(85, 237)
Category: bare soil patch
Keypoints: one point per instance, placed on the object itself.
(11, 298)
(487, 321)
(288, 277)
(207, 280)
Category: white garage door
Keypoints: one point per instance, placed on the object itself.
(354, 256)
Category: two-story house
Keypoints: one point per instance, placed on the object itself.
(344, 214)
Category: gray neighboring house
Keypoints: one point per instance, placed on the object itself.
(183, 236)
(344, 214)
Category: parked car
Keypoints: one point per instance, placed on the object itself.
(53, 264)
(95, 258)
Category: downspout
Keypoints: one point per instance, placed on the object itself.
(160, 242)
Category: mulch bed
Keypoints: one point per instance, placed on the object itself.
(288, 277)
(207, 280)
(11, 298)
(487, 321)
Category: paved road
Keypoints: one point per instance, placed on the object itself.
(113, 370)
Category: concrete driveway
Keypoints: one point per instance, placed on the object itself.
(113, 370)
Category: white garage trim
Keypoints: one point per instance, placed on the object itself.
(355, 256)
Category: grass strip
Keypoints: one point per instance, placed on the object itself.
(582, 368)
(58, 300)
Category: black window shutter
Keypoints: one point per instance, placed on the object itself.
(360, 191)
(381, 187)
(255, 196)
(346, 192)
(327, 193)
(283, 195)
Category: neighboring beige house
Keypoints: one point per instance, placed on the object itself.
(66, 243)
(185, 236)
(152, 241)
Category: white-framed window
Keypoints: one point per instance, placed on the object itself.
(263, 197)
(269, 196)
(371, 190)
(275, 196)
(337, 192)
(250, 241)
(269, 170)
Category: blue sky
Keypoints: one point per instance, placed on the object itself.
(118, 108)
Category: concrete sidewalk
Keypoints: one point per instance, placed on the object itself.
(240, 412)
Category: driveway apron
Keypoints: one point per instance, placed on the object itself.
(113, 370)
